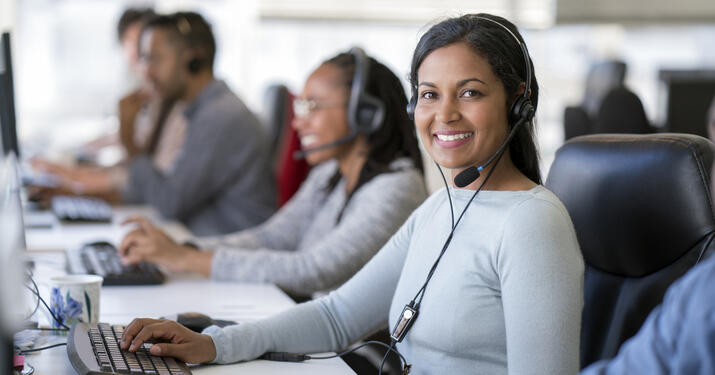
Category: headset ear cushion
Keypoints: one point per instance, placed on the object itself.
(370, 114)
(194, 65)
(521, 108)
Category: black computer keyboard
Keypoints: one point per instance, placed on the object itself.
(94, 349)
(101, 258)
(81, 209)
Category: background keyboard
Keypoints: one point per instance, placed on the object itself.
(81, 209)
(94, 349)
(102, 258)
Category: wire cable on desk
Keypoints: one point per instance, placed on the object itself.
(37, 300)
(23, 352)
(294, 357)
(389, 349)
(47, 329)
(37, 293)
(387, 354)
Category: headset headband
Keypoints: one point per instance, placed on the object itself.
(525, 53)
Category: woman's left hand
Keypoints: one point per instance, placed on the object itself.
(148, 243)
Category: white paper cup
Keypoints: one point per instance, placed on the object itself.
(75, 298)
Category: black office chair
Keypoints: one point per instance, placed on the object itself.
(276, 101)
(576, 122)
(602, 77)
(621, 112)
(643, 215)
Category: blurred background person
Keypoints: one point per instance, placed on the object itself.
(219, 181)
(147, 122)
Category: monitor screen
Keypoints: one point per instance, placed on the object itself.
(8, 129)
(688, 97)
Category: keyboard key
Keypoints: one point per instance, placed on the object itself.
(158, 363)
(81, 209)
(172, 365)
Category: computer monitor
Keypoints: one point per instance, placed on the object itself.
(12, 245)
(8, 127)
(688, 94)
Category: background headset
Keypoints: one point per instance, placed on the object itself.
(521, 111)
(185, 29)
(365, 112)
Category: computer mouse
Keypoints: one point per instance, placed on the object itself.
(194, 321)
(197, 322)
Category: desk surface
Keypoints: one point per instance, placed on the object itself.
(182, 292)
(45, 233)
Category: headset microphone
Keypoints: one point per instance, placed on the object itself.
(472, 173)
(467, 176)
(301, 154)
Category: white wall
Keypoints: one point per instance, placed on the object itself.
(7, 14)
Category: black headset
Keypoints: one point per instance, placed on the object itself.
(522, 106)
(365, 112)
(184, 27)
(521, 111)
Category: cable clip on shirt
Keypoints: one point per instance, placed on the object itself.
(408, 316)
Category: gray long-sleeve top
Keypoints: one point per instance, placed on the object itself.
(303, 248)
(221, 181)
(506, 297)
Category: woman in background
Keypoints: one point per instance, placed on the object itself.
(362, 188)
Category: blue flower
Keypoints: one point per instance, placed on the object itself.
(73, 309)
(57, 306)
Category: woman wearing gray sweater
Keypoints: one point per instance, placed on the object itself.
(366, 181)
(484, 279)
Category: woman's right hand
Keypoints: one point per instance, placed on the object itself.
(173, 340)
(147, 243)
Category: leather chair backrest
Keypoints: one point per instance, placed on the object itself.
(576, 122)
(274, 116)
(621, 112)
(643, 214)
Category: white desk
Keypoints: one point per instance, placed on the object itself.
(59, 237)
(182, 293)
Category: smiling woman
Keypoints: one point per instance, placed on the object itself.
(486, 96)
(495, 290)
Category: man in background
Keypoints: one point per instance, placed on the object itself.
(147, 123)
(221, 179)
